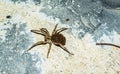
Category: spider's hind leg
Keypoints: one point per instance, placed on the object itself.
(65, 49)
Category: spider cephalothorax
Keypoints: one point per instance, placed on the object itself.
(56, 38)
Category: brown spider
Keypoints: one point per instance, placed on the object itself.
(56, 38)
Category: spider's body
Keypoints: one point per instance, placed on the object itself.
(56, 38)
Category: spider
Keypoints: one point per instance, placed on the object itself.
(56, 38)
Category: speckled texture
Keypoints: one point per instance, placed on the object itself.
(16, 38)
(14, 41)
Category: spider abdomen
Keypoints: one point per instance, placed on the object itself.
(58, 38)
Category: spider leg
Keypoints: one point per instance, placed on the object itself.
(65, 49)
(60, 30)
(36, 44)
(38, 32)
(50, 44)
(44, 30)
(53, 32)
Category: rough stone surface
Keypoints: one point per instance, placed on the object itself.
(96, 23)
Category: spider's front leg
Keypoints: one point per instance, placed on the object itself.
(38, 43)
(38, 32)
(60, 30)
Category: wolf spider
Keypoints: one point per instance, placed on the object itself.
(56, 38)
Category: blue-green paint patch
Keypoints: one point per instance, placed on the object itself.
(96, 17)
(13, 58)
(88, 16)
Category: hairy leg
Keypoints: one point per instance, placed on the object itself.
(45, 30)
(38, 43)
(53, 32)
(64, 48)
(60, 30)
(50, 44)
(38, 32)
